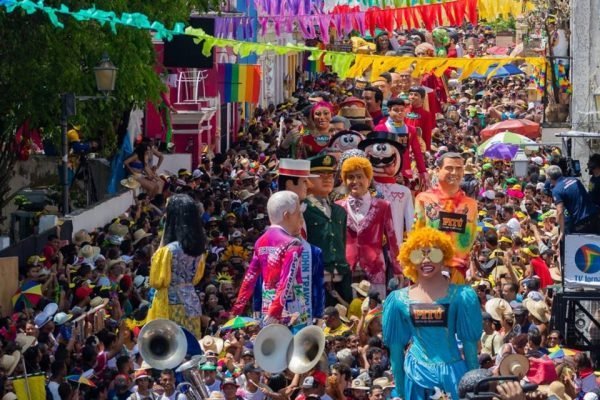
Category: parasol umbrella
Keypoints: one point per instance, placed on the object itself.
(506, 138)
(498, 72)
(562, 352)
(239, 323)
(80, 380)
(523, 127)
(497, 51)
(501, 151)
(28, 296)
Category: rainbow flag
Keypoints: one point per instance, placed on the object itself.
(239, 83)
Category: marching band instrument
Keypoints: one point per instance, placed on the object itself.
(162, 344)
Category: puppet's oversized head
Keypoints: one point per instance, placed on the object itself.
(384, 150)
(441, 39)
(425, 253)
(345, 140)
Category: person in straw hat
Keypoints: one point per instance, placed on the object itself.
(178, 265)
(143, 382)
(362, 290)
(413, 313)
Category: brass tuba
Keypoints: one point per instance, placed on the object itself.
(276, 349)
(162, 344)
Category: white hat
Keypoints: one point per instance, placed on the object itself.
(197, 174)
(210, 343)
(298, 168)
(537, 160)
(362, 288)
(62, 318)
(9, 362)
(140, 281)
(51, 309)
(496, 307)
(42, 319)
(25, 341)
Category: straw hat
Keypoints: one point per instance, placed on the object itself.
(359, 384)
(216, 396)
(97, 302)
(244, 195)
(384, 382)
(537, 309)
(514, 365)
(118, 229)
(210, 343)
(10, 396)
(557, 389)
(343, 311)
(25, 342)
(497, 307)
(89, 252)
(9, 362)
(362, 288)
(115, 261)
(139, 235)
(81, 236)
(130, 183)
(470, 169)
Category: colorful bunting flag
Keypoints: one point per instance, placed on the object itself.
(239, 83)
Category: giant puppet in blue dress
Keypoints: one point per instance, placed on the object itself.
(433, 316)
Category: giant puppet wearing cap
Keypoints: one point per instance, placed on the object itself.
(448, 209)
(369, 220)
(326, 228)
(431, 314)
(384, 150)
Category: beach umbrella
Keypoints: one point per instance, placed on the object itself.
(498, 72)
(505, 138)
(28, 296)
(239, 323)
(562, 352)
(501, 151)
(80, 380)
(523, 127)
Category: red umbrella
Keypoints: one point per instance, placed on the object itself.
(497, 51)
(523, 127)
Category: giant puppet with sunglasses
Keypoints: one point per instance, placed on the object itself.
(431, 314)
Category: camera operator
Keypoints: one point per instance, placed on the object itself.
(570, 195)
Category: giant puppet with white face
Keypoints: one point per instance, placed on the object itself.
(384, 151)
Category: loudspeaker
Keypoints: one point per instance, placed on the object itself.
(182, 52)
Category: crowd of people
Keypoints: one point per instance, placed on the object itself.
(193, 248)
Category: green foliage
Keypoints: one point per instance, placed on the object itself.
(503, 25)
(38, 62)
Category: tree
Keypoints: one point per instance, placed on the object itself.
(39, 61)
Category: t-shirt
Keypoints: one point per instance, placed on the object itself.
(571, 192)
(53, 389)
(339, 331)
(246, 395)
(541, 269)
(354, 309)
(491, 344)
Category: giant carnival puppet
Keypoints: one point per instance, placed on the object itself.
(369, 221)
(326, 228)
(409, 138)
(277, 263)
(448, 209)
(385, 152)
(432, 315)
(316, 138)
(294, 175)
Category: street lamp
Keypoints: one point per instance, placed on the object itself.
(520, 164)
(106, 75)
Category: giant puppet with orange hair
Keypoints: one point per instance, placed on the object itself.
(431, 314)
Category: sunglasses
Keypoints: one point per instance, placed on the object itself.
(433, 254)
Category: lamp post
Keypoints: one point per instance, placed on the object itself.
(520, 164)
(106, 75)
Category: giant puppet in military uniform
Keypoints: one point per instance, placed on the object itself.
(326, 228)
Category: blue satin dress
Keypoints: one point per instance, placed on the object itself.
(433, 331)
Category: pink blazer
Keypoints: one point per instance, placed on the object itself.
(364, 241)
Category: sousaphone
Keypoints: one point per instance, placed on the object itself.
(276, 348)
(162, 344)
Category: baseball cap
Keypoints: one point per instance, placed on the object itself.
(248, 353)
(229, 381)
(208, 367)
(309, 382)
(252, 368)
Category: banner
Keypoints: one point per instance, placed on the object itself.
(239, 83)
(582, 261)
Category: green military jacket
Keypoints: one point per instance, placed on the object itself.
(329, 234)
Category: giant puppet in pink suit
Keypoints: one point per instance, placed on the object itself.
(369, 221)
(384, 150)
(277, 260)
